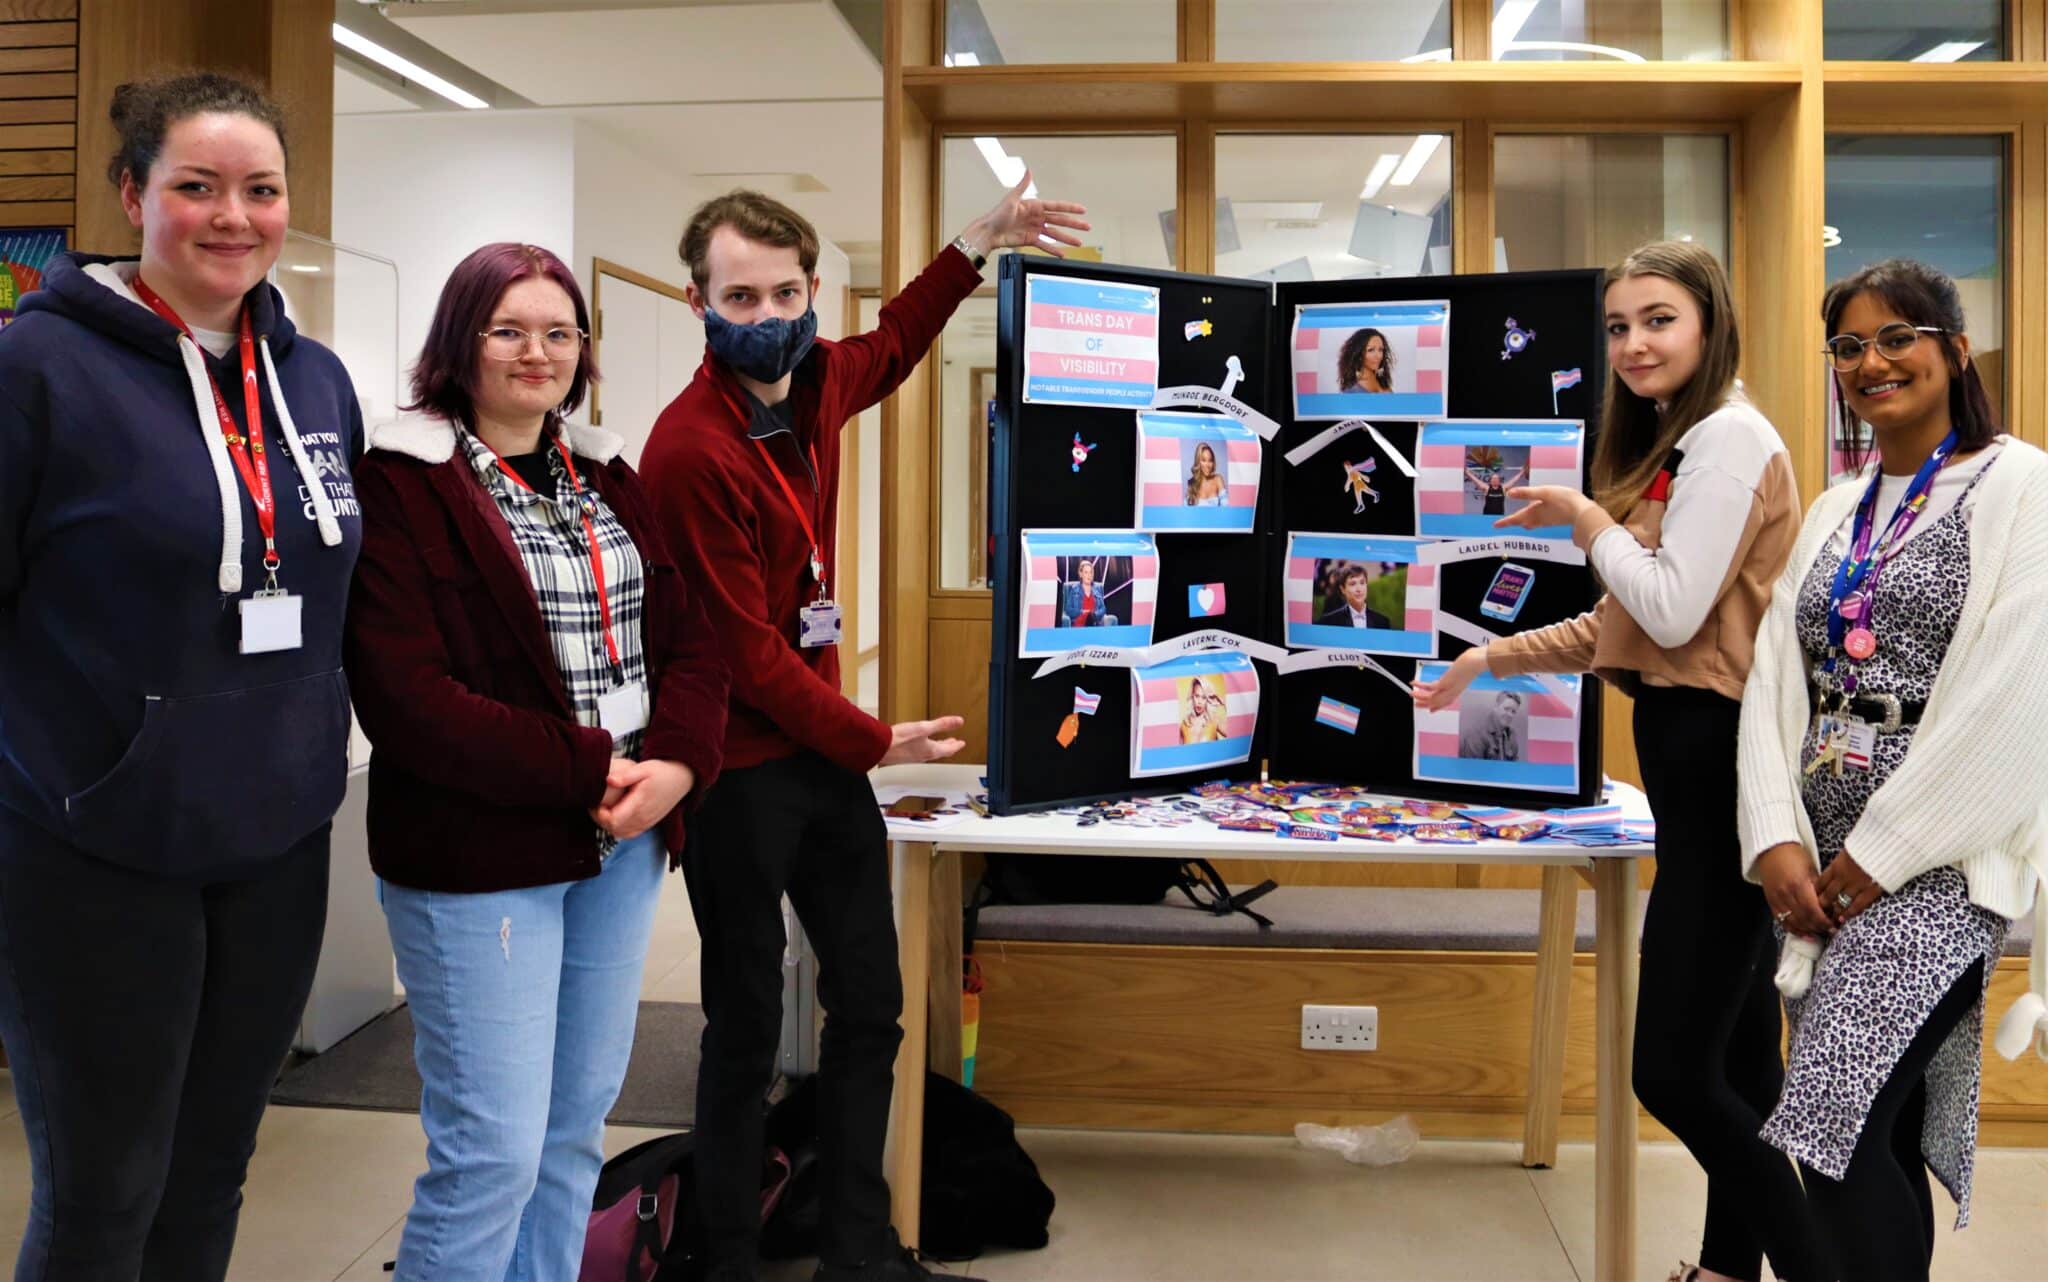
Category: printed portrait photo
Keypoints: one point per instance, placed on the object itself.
(1361, 594)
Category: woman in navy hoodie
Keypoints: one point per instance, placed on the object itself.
(177, 533)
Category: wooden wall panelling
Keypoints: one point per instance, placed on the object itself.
(38, 104)
(959, 679)
(1197, 35)
(2026, 326)
(911, 31)
(1209, 1039)
(285, 45)
(1783, 182)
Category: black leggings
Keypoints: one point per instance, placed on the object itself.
(1707, 1061)
(1880, 1214)
(147, 1019)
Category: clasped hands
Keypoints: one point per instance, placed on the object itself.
(638, 794)
(1810, 903)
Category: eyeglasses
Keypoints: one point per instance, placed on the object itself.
(1893, 341)
(505, 343)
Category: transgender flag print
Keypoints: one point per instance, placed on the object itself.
(1125, 580)
(1193, 713)
(1090, 342)
(1312, 600)
(1415, 337)
(1504, 732)
(1171, 446)
(1463, 468)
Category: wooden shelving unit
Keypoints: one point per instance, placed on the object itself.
(1776, 100)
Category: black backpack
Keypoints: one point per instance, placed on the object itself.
(1110, 879)
(981, 1189)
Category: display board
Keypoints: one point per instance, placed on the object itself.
(1231, 519)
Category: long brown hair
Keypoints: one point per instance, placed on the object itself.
(1635, 438)
(1923, 295)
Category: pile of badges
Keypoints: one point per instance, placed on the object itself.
(1325, 812)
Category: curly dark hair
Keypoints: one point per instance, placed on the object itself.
(143, 111)
(1351, 361)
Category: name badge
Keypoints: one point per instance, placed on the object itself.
(624, 710)
(270, 622)
(819, 624)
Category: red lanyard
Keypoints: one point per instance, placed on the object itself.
(249, 457)
(583, 505)
(803, 516)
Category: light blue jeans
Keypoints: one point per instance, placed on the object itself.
(523, 1005)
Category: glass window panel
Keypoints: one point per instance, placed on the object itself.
(1940, 199)
(988, 33)
(1130, 186)
(1585, 200)
(1322, 207)
(1622, 30)
(1332, 30)
(1913, 30)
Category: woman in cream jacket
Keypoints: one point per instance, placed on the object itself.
(1891, 760)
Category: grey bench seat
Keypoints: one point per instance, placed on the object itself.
(1362, 917)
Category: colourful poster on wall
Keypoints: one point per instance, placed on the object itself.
(1193, 713)
(1366, 592)
(1087, 588)
(1465, 468)
(23, 254)
(1504, 732)
(1197, 472)
(1371, 360)
(1090, 342)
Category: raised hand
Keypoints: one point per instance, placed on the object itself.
(1016, 222)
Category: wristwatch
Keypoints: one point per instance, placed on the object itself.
(975, 256)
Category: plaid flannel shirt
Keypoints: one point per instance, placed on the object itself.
(556, 551)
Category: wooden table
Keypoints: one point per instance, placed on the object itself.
(926, 871)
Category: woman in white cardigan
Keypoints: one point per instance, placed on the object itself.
(1891, 766)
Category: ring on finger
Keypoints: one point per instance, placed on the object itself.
(1843, 899)
(1783, 916)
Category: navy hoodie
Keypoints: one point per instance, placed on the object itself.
(131, 728)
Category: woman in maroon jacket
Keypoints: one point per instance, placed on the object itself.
(542, 696)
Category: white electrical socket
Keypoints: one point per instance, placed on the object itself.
(1340, 1028)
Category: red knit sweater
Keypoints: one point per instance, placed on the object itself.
(741, 545)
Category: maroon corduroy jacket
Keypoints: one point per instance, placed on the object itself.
(481, 779)
(743, 546)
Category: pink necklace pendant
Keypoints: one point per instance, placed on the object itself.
(1860, 644)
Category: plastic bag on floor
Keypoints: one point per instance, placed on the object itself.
(1383, 1145)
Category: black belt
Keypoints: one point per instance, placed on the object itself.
(1887, 712)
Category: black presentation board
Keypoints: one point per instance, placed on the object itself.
(1035, 485)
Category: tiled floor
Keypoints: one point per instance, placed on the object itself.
(328, 1190)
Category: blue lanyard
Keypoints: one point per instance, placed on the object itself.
(1857, 575)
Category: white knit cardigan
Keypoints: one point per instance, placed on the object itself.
(1973, 791)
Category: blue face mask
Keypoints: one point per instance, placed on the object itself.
(764, 351)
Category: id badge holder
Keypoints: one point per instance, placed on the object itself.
(1859, 741)
(818, 624)
(271, 621)
(624, 710)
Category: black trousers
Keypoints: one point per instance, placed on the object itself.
(1880, 1215)
(145, 1020)
(804, 827)
(1708, 1021)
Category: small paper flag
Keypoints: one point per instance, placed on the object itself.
(1085, 704)
(1337, 715)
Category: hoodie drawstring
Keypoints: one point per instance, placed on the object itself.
(223, 470)
(323, 507)
(230, 578)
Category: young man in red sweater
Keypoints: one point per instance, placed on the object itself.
(743, 468)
